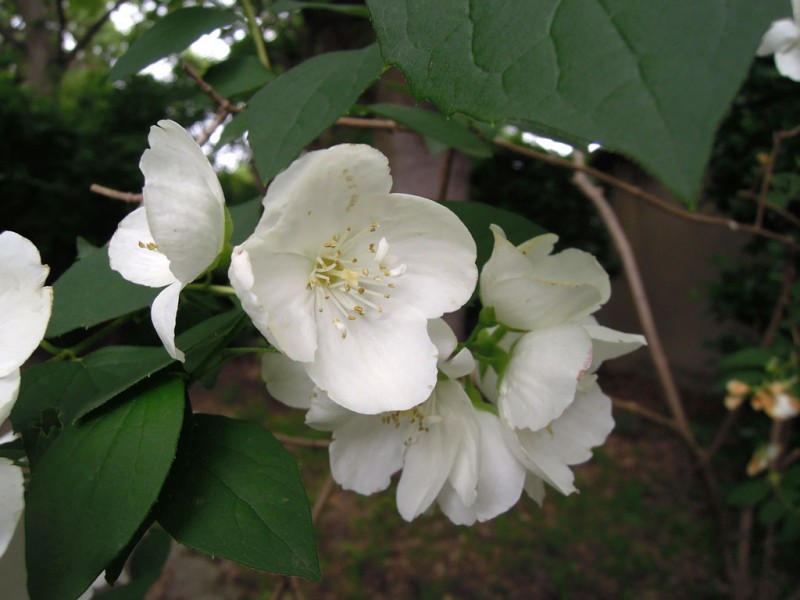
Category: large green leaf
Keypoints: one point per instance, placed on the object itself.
(354, 10)
(237, 75)
(245, 217)
(649, 79)
(288, 113)
(89, 292)
(174, 33)
(477, 216)
(239, 496)
(146, 564)
(448, 131)
(94, 486)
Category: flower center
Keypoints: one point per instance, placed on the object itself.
(416, 420)
(353, 275)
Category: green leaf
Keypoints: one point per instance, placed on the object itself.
(771, 512)
(234, 129)
(749, 493)
(89, 292)
(288, 113)
(94, 486)
(237, 75)
(170, 35)
(147, 562)
(354, 10)
(245, 217)
(77, 387)
(754, 358)
(240, 496)
(651, 80)
(477, 216)
(451, 132)
(209, 338)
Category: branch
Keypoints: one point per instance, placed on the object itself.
(116, 194)
(301, 442)
(222, 102)
(632, 273)
(444, 174)
(648, 197)
(646, 413)
(90, 33)
(634, 190)
(777, 139)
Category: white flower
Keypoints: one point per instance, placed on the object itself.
(343, 275)
(25, 306)
(178, 232)
(567, 440)
(783, 40)
(12, 502)
(448, 451)
(551, 297)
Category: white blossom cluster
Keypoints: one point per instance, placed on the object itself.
(348, 282)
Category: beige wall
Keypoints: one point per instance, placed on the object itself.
(676, 260)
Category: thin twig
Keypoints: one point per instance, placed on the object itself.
(741, 580)
(444, 174)
(116, 194)
(722, 433)
(766, 182)
(640, 301)
(774, 208)
(648, 414)
(634, 190)
(784, 298)
(90, 33)
(218, 120)
(301, 442)
(222, 102)
(653, 199)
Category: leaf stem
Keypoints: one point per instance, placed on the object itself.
(217, 290)
(255, 31)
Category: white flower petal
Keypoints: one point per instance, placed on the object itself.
(609, 343)
(13, 573)
(788, 62)
(428, 462)
(380, 365)
(542, 376)
(25, 304)
(134, 255)
(534, 487)
(531, 290)
(242, 280)
(445, 340)
(325, 415)
(12, 501)
(780, 36)
(281, 290)
(9, 388)
(305, 203)
(184, 201)
(437, 249)
(164, 313)
(568, 440)
(365, 452)
(286, 380)
(500, 479)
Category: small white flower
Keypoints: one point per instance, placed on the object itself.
(449, 452)
(343, 275)
(25, 306)
(178, 232)
(783, 40)
(550, 299)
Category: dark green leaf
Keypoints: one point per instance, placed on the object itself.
(771, 512)
(451, 132)
(146, 565)
(288, 113)
(749, 493)
(94, 486)
(207, 340)
(245, 217)
(477, 216)
(170, 35)
(237, 75)
(747, 359)
(240, 497)
(89, 292)
(649, 79)
(235, 128)
(354, 10)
